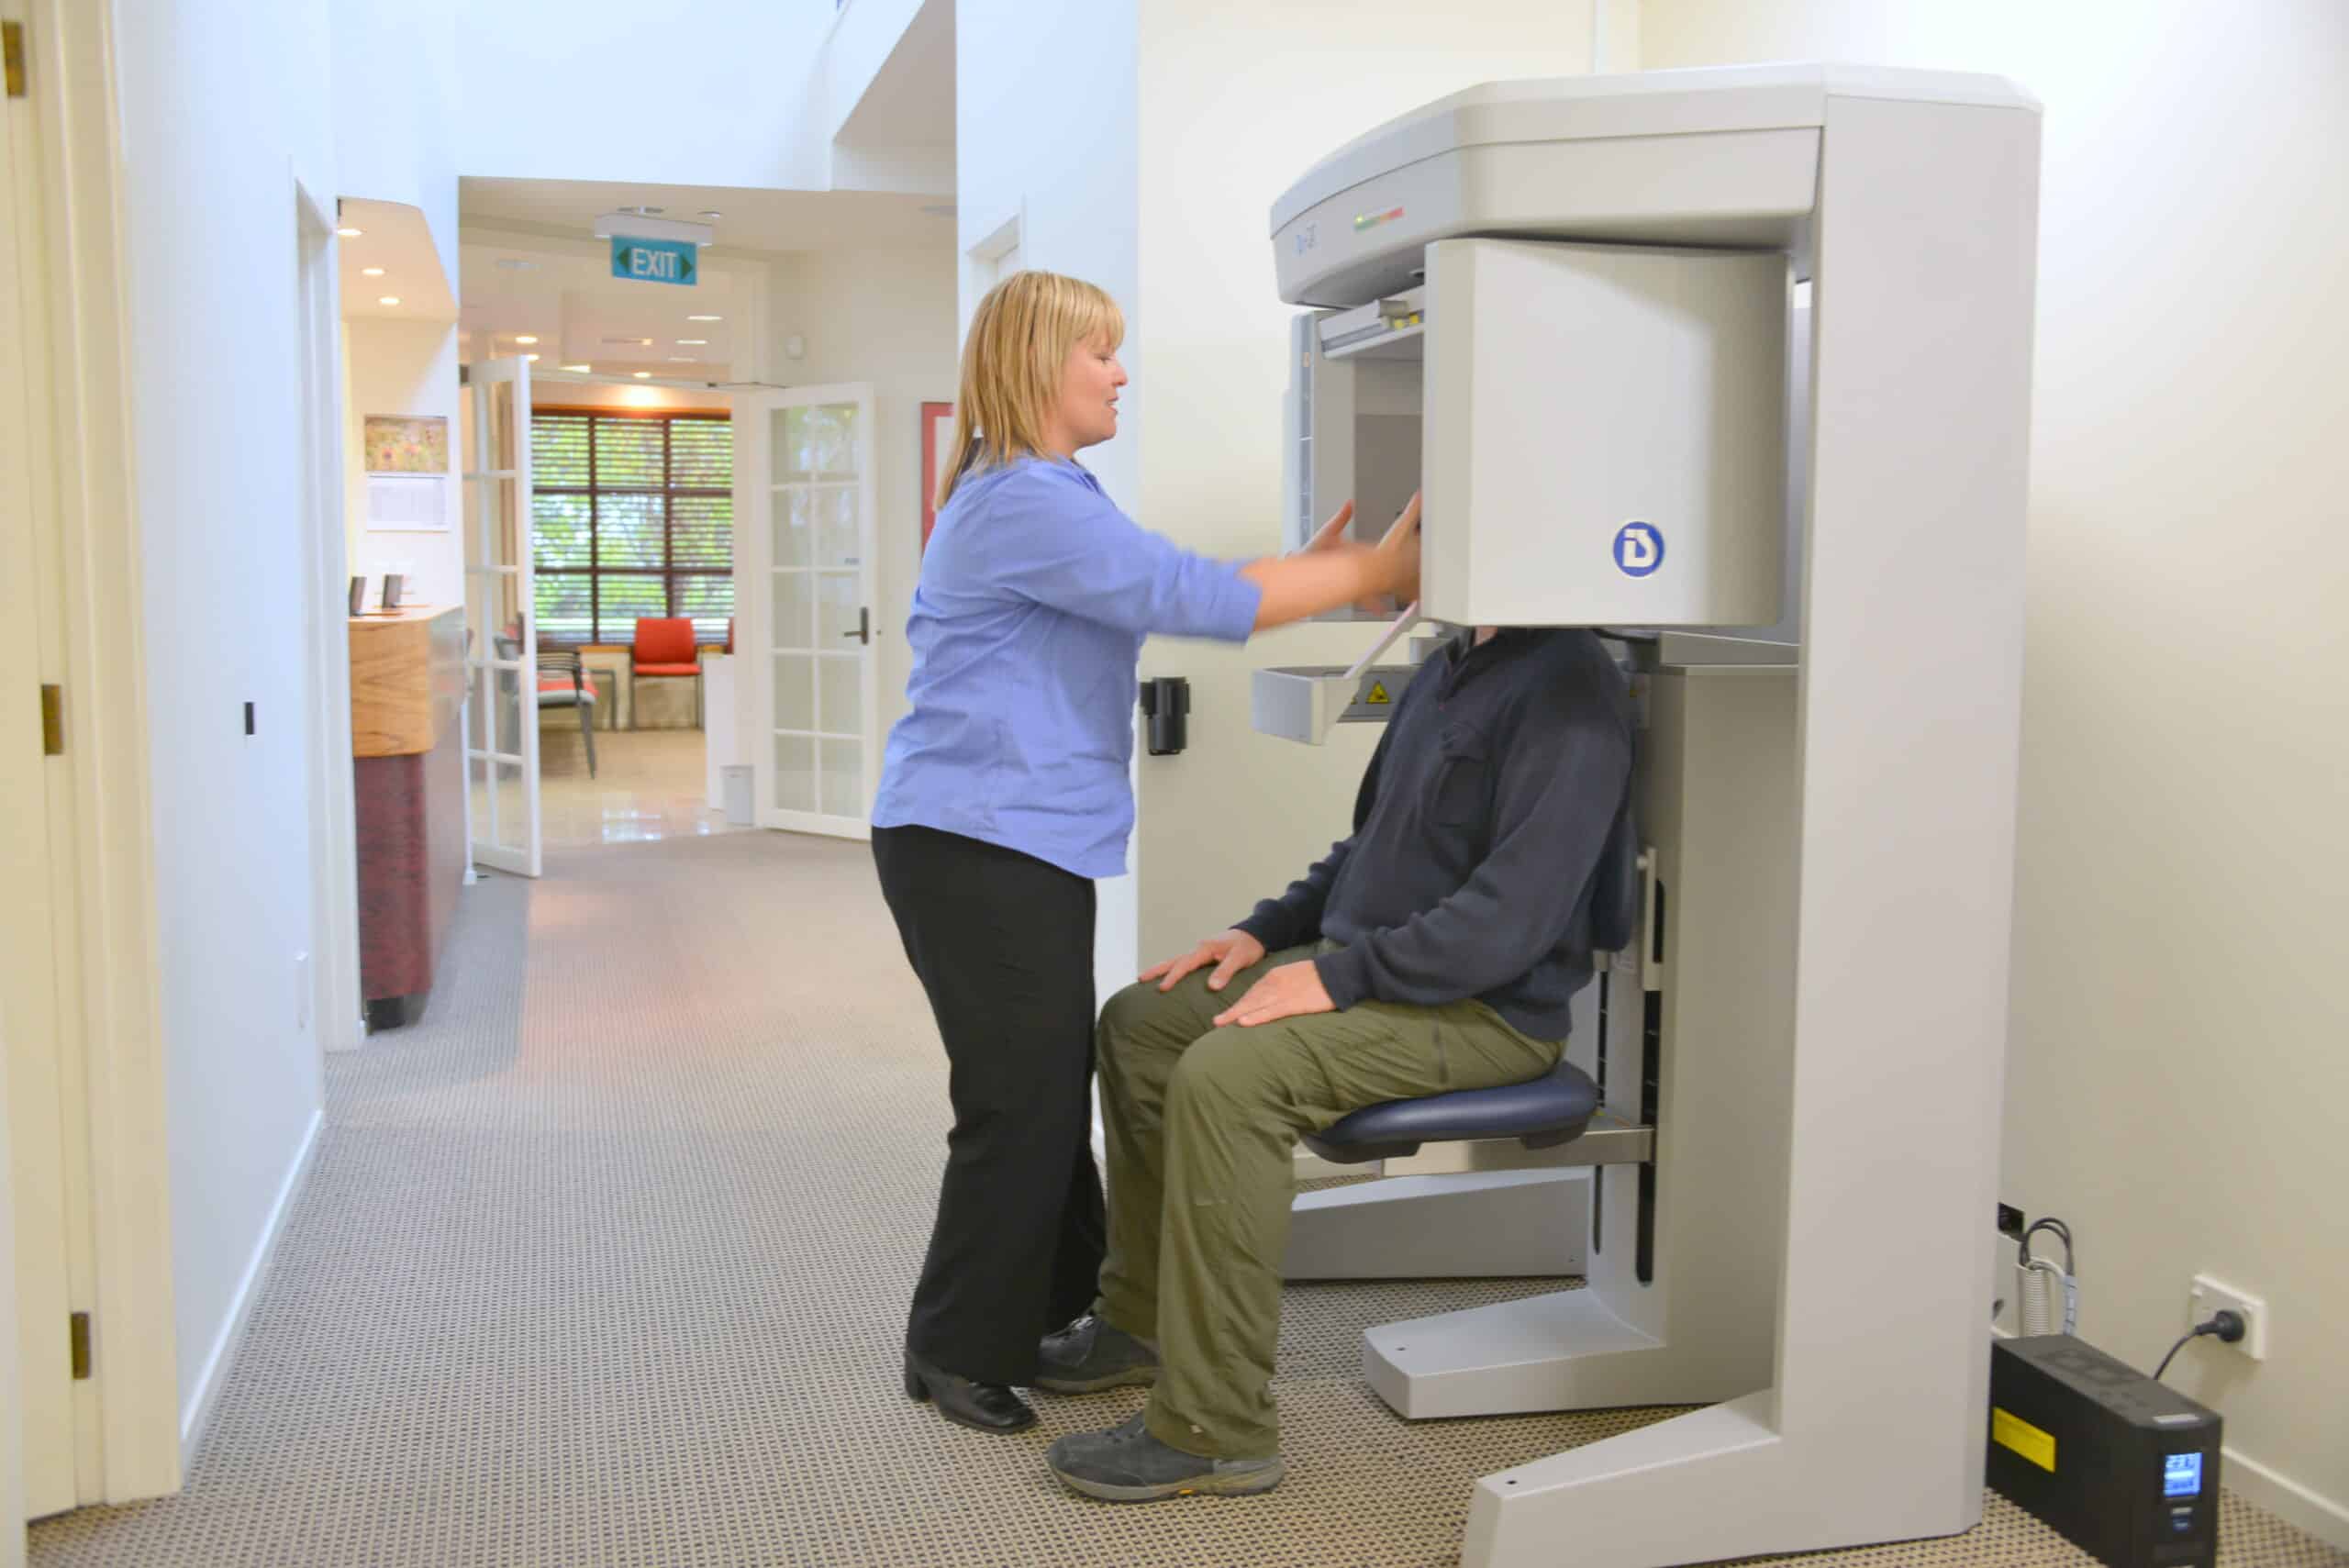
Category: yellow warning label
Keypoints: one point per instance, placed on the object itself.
(2014, 1432)
(1377, 692)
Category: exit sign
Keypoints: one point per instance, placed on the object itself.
(653, 260)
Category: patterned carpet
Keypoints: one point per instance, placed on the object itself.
(605, 1261)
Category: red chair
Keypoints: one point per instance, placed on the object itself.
(666, 651)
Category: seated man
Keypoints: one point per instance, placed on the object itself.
(1434, 950)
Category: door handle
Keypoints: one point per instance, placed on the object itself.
(863, 632)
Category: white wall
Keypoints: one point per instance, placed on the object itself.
(402, 368)
(214, 315)
(1047, 136)
(223, 109)
(1236, 100)
(396, 109)
(722, 93)
(2176, 1068)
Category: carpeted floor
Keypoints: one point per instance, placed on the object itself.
(604, 1263)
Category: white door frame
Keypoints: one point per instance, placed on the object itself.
(335, 1005)
(71, 63)
(50, 1422)
(754, 483)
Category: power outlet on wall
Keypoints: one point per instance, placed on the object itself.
(2210, 1296)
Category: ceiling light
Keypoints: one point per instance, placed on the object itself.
(350, 233)
(389, 299)
(644, 375)
(644, 342)
(371, 271)
(524, 338)
(693, 343)
(531, 358)
(705, 318)
(680, 359)
(583, 369)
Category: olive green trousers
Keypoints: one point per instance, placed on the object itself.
(1202, 1126)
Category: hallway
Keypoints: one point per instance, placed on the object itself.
(596, 1269)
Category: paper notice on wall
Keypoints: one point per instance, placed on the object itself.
(407, 501)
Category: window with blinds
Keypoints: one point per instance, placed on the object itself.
(632, 515)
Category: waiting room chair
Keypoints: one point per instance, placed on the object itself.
(666, 651)
(563, 682)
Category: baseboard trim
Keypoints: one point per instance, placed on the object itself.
(2263, 1487)
(196, 1419)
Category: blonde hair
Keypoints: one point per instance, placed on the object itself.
(1019, 343)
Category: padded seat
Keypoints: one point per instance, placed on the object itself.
(1540, 1114)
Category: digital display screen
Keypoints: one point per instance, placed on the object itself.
(2182, 1475)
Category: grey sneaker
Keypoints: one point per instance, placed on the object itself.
(1090, 1355)
(1126, 1464)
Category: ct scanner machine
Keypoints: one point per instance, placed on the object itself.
(1734, 364)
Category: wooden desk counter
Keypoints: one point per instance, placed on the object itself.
(402, 662)
(407, 682)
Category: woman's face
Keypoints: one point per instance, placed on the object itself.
(1087, 410)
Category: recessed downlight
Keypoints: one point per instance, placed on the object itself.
(371, 271)
(583, 369)
(525, 338)
(644, 375)
(705, 318)
(680, 359)
(389, 299)
(693, 343)
(531, 359)
(349, 233)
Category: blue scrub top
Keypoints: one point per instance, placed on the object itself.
(1036, 593)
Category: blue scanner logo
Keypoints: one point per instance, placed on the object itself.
(1639, 550)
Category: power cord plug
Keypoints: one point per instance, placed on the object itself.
(2228, 1325)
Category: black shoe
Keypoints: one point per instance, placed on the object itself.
(1090, 1355)
(1126, 1464)
(985, 1407)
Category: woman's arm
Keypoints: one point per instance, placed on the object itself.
(1332, 571)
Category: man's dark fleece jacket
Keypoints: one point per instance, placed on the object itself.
(1477, 832)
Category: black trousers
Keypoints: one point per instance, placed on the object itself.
(1003, 943)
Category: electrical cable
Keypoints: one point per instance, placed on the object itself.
(2227, 1325)
(2032, 1309)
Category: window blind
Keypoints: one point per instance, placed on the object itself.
(632, 515)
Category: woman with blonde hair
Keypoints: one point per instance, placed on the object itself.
(1005, 795)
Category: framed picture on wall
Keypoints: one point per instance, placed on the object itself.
(937, 435)
(407, 472)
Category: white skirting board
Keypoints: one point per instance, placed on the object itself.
(198, 1415)
(2256, 1484)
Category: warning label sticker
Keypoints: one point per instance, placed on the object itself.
(1377, 692)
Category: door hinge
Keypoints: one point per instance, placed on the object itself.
(52, 721)
(81, 1333)
(12, 43)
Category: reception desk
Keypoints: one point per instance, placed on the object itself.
(407, 683)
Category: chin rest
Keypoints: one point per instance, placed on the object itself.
(1541, 1114)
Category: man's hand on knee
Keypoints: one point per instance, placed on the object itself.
(1288, 992)
(1230, 952)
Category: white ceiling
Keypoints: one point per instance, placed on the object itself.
(564, 294)
(399, 240)
(532, 265)
(752, 220)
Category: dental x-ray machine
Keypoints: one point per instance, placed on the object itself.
(1736, 362)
